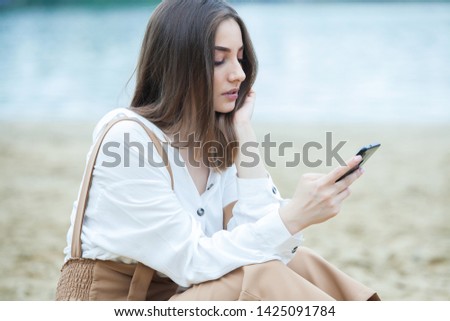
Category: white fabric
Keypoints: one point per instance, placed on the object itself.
(134, 215)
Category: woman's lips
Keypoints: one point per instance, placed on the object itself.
(232, 94)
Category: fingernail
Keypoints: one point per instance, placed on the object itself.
(361, 170)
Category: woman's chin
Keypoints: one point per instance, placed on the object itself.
(225, 109)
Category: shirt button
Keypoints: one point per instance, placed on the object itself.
(294, 249)
(200, 211)
(274, 190)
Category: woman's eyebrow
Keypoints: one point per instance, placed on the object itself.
(220, 48)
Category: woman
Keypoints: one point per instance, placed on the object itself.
(222, 231)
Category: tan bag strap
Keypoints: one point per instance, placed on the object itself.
(140, 282)
(87, 180)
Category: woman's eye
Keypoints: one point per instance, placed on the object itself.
(218, 63)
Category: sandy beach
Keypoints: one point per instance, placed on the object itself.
(392, 234)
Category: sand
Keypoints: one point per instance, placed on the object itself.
(392, 234)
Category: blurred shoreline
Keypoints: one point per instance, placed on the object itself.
(392, 233)
(325, 61)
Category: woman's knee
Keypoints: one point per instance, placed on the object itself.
(269, 272)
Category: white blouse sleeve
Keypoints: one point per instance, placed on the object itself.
(136, 214)
(256, 197)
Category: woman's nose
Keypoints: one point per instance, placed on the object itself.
(237, 73)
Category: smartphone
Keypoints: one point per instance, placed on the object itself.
(365, 153)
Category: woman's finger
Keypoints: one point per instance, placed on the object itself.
(338, 172)
(348, 180)
(342, 195)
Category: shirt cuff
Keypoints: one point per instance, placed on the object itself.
(276, 237)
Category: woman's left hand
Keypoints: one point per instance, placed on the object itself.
(244, 114)
(246, 135)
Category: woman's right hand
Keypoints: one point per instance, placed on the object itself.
(318, 197)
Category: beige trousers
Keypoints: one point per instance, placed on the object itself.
(308, 277)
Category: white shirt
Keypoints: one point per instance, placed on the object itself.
(134, 215)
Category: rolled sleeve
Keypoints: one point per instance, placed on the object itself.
(256, 197)
(277, 237)
(258, 191)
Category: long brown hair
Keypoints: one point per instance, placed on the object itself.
(174, 75)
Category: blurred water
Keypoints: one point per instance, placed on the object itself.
(318, 62)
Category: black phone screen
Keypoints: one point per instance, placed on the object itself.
(365, 153)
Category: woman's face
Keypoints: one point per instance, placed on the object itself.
(228, 72)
